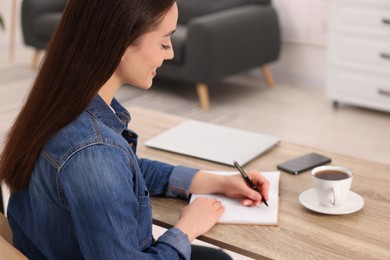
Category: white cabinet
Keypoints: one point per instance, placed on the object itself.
(358, 54)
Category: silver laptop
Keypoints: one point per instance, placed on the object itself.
(212, 142)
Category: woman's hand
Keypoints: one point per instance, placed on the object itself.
(236, 187)
(232, 186)
(199, 217)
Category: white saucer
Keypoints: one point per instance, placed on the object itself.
(353, 203)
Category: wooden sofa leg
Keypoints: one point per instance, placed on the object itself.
(268, 76)
(203, 95)
(36, 59)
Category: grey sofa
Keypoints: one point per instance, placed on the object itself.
(214, 38)
(218, 38)
(39, 19)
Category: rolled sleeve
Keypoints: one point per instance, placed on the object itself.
(177, 239)
(180, 182)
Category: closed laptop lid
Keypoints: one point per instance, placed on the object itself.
(213, 142)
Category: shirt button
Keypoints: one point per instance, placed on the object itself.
(131, 144)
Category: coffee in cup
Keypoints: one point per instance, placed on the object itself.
(331, 184)
(331, 175)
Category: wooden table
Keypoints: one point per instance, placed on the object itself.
(301, 234)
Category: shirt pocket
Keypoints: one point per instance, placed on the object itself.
(145, 220)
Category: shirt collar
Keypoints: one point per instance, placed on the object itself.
(118, 121)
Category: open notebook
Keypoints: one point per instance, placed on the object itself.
(213, 142)
(235, 213)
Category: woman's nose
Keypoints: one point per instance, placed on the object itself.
(170, 54)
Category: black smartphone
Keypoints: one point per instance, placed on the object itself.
(303, 163)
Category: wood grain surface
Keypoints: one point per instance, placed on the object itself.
(301, 234)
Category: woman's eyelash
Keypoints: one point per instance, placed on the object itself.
(165, 47)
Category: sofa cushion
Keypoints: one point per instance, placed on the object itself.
(178, 43)
(189, 9)
(45, 25)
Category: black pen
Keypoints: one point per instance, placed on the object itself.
(248, 181)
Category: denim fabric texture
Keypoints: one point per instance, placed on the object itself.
(89, 194)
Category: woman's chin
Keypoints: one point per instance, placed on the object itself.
(144, 85)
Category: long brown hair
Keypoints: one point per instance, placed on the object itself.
(83, 53)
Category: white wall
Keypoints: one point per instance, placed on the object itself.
(5, 35)
(301, 64)
(303, 25)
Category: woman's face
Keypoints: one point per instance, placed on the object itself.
(139, 63)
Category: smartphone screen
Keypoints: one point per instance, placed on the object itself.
(303, 163)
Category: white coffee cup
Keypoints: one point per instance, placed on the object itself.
(331, 184)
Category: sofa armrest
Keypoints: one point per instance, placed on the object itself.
(231, 41)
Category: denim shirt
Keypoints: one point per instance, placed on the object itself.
(89, 194)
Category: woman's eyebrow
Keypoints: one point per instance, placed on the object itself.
(170, 33)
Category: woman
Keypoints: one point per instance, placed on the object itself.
(78, 189)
